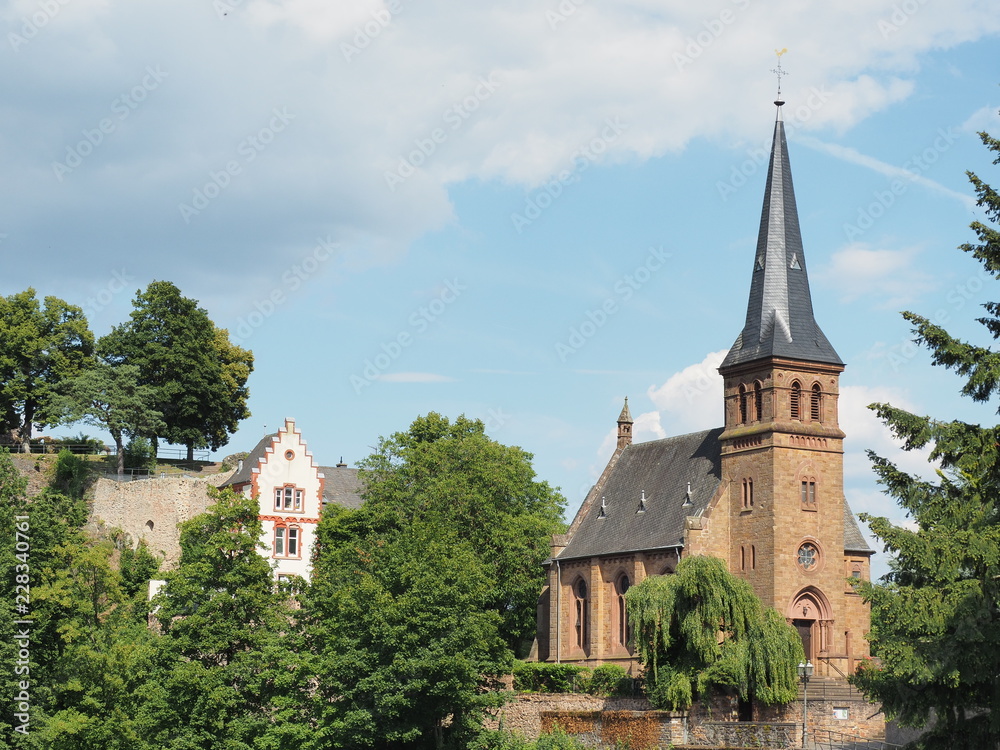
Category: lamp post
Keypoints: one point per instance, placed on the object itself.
(805, 672)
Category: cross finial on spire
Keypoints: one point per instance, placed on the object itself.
(779, 72)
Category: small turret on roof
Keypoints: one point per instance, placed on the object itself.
(625, 426)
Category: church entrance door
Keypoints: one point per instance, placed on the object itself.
(805, 628)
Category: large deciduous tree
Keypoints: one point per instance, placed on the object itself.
(112, 397)
(453, 476)
(704, 628)
(406, 644)
(936, 615)
(199, 376)
(41, 346)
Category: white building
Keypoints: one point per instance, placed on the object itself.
(292, 490)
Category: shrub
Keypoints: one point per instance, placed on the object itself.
(610, 679)
(536, 677)
(71, 474)
(139, 454)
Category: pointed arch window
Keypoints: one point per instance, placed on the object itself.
(795, 400)
(744, 404)
(758, 401)
(581, 625)
(623, 631)
(816, 404)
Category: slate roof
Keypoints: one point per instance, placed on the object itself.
(661, 469)
(780, 320)
(252, 461)
(341, 486)
(854, 540)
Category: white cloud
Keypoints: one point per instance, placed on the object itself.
(860, 270)
(691, 399)
(984, 119)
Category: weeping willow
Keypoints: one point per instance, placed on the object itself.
(704, 628)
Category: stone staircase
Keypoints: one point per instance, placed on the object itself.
(830, 689)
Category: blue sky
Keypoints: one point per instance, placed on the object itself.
(520, 211)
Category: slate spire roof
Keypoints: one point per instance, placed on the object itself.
(780, 320)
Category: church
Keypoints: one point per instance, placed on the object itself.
(764, 492)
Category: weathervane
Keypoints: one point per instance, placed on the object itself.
(778, 71)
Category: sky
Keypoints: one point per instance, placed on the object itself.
(521, 211)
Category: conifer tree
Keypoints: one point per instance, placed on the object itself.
(936, 615)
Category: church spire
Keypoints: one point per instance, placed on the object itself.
(780, 320)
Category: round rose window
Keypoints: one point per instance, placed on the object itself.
(808, 556)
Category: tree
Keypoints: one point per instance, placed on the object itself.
(198, 375)
(406, 643)
(231, 667)
(41, 346)
(452, 476)
(936, 615)
(704, 628)
(111, 397)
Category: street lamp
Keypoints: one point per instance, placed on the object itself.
(805, 672)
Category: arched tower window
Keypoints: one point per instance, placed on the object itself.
(580, 594)
(794, 401)
(758, 402)
(744, 404)
(624, 633)
(816, 404)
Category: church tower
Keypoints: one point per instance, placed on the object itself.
(792, 535)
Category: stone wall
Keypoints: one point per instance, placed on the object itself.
(601, 722)
(151, 509)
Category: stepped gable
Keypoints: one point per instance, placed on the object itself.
(660, 470)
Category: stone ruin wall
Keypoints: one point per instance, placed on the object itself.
(151, 509)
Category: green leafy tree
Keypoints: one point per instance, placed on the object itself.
(232, 671)
(704, 628)
(406, 643)
(41, 346)
(452, 476)
(936, 615)
(198, 375)
(111, 396)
